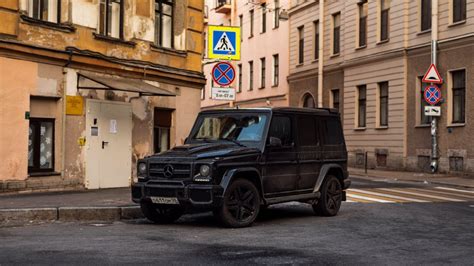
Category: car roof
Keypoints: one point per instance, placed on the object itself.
(299, 110)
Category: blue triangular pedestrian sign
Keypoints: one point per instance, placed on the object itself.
(224, 44)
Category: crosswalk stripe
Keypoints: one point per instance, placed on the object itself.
(358, 200)
(420, 194)
(352, 195)
(448, 193)
(388, 195)
(457, 190)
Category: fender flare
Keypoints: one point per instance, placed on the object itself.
(230, 174)
(323, 173)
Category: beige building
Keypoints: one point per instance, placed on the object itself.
(263, 68)
(367, 58)
(89, 86)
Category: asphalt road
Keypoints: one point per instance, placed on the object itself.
(363, 233)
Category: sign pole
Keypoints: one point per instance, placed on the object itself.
(434, 121)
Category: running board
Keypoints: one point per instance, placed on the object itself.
(308, 196)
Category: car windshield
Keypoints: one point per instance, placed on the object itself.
(230, 127)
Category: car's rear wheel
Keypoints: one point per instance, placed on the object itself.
(241, 204)
(161, 214)
(331, 197)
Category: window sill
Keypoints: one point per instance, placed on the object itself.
(165, 50)
(300, 65)
(334, 55)
(382, 41)
(251, 36)
(261, 88)
(113, 40)
(275, 86)
(275, 28)
(456, 125)
(423, 126)
(360, 47)
(40, 174)
(47, 24)
(381, 127)
(423, 32)
(454, 24)
(315, 61)
(360, 128)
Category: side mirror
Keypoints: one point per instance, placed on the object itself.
(274, 142)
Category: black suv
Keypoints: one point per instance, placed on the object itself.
(237, 161)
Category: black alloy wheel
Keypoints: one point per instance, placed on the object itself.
(241, 204)
(331, 197)
(161, 214)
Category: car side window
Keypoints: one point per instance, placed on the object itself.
(333, 132)
(281, 128)
(307, 131)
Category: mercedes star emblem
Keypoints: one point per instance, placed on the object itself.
(168, 171)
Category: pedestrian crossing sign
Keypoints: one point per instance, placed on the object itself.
(224, 43)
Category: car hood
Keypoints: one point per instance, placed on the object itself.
(206, 150)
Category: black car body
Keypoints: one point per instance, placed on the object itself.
(249, 156)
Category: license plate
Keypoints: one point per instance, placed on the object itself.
(164, 200)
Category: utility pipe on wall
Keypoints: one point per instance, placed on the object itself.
(434, 122)
(321, 53)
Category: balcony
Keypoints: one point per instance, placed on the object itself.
(223, 6)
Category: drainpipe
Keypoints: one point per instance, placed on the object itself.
(321, 53)
(434, 122)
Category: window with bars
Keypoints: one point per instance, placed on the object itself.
(111, 18)
(383, 104)
(336, 33)
(250, 75)
(362, 105)
(459, 95)
(301, 45)
(335, 99)
(41, 145)
(251, 12)
(276, 69)
(264, 18)
(363, 8)
(46, 10)
(384, 19)
(316, 40)
(425, 15)
(459, 10)
(262, 72)
(164, 23)
(239, 86)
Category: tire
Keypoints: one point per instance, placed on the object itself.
(331, 197)
(160, 214)
(241, 204)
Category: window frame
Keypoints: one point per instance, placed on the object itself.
(276, 70)
(362, 7)
(239, 84)
(160, 3)
(425, 15)
(276, 15)
(383, 104)
(452, 97)
(384, 13)
(361, 107)
(300, 45)
(105, 31)
(40, 6)
(316, 39)
(336, 35)
(335, 92)
(36, 149)
(251, 73)
(263, 27)
(252, 17)
(263, 62)
(462, 11)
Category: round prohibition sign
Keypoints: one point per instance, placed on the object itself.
(432, 95)
(223, 74)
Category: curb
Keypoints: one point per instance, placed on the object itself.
(18, 217)
(368, 177)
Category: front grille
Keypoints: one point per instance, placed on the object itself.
(161, 192)
(162, 170)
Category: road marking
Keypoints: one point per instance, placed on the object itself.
(420, 194)
(388, 195)
(355, 196)
(457, 190)
(448, 193)
(359, 200)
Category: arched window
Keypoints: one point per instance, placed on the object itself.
(308, 101)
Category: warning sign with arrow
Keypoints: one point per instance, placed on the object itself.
(432, 75)
(224, 43)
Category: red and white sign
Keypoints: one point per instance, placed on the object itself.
(432, 75)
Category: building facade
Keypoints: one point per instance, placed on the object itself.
(263, 68)
(89, 86)
(369, 57)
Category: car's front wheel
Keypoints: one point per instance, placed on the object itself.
(331, 197)
(241, 204)
(161, 214)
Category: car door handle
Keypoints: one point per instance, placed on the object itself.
(104, 143)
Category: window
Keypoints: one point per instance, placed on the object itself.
(203, 94)
(46, 10)
(239, 87)
(307, 134)
(276, 14)
(335, 99)
(362, 96)
(308, 101)
(111, 18)
(264, 18)
(262, 72)
(250, 75)
(336, 18)
(164, 23)
(316, 40)
(241, 24)
(459, 95)
(281, 128)
(363, 7)
(276, 70)
(383, 104)
(425, 15)
(251, 22)
(384, 19)
(161, 133)
(41, 145)
(301, 45)
(459, 10)
(333, 131)
(423, 118)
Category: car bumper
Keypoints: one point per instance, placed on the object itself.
(188, 195)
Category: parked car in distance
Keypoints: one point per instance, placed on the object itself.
(237, 161)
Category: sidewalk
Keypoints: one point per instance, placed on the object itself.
(441, 179)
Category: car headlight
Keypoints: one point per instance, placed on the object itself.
(142, 168)
(204, 170)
